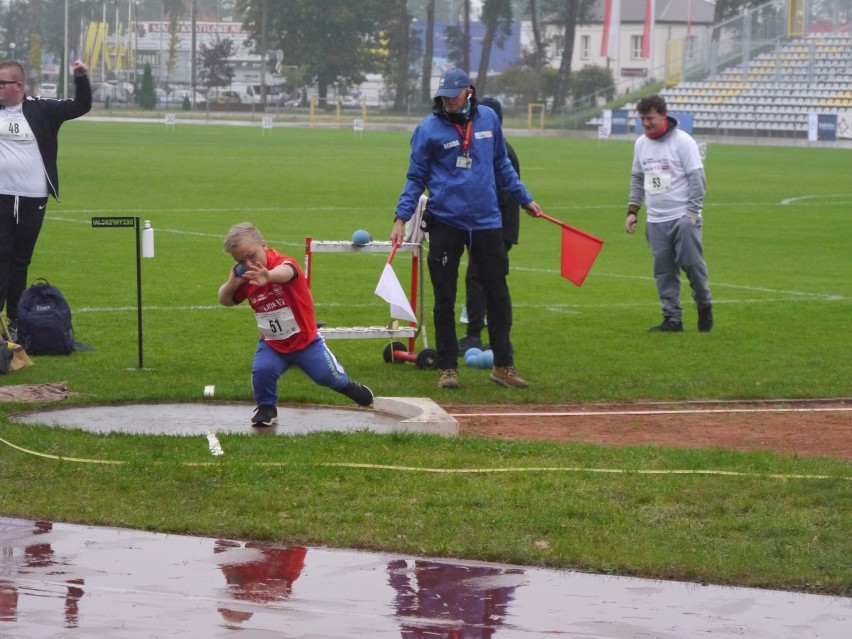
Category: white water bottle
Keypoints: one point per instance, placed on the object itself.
(147, 240)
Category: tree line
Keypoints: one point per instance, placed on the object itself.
(340, 41)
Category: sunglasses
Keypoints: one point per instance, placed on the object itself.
(3, 83)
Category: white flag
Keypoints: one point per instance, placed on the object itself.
(390, 290)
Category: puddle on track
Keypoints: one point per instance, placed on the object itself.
(61, 580)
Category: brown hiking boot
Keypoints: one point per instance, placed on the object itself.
(449, 378)
(508, 376)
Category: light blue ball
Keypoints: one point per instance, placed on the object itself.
(361, 237)
(239, 270)
(471, 360)
(485, 359)
(472, 352)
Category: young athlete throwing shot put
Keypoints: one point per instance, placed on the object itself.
(278, 292)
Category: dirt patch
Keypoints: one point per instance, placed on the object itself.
(803, 428)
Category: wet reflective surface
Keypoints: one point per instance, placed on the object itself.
(59, 580)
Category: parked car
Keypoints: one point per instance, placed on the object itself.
(249, 93)
(47, 90)
(225, 97)
(349, 102)
(180, 94)
(117, 92)
(175, 98)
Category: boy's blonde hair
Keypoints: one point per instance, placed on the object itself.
(238, 233)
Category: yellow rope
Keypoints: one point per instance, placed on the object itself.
(577, 469)
(60, 458)
(461, 471)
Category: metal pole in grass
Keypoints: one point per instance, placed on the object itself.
(144, 248)
(138, 290)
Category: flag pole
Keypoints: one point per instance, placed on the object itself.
(553, 219)
(573, 229)
(393, 252)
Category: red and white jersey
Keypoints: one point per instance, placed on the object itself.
(284, 312)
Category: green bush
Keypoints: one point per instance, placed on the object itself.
(147, 98)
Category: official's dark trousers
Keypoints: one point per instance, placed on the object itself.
(475, 298)
(486, 248)
(20, 223)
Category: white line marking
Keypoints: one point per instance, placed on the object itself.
(758, 289)
(801, 198)
(213, 444)
(697, 411)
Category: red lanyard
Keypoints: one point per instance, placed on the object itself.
(465, 136)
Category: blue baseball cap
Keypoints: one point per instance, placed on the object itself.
(452, 83)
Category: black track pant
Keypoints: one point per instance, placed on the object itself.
(20, 223)
(486, 248)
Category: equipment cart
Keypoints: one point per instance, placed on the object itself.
(395, 351)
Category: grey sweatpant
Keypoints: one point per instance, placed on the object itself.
(677, 245)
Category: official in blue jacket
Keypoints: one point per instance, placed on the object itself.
(28, 173)
(458, 155)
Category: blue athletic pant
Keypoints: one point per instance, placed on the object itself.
(316, 360)
(677, 245)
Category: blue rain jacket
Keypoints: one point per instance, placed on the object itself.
(462, 198)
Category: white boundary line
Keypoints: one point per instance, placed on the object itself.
(696, 411)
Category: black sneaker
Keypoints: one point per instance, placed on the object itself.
(358, 393)
(705, 318)
(469, 341)
(668, 326)
(264, 416)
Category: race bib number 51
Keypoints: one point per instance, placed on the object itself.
(278, 324)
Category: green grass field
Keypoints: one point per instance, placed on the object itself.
(778, 253)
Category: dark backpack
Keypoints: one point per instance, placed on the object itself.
(44, 321)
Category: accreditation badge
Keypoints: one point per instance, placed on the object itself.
(464, 162)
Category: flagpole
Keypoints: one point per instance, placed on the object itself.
(553, 219)
(393, 252)
(573, 229)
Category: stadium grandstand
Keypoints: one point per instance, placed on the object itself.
(772, 71)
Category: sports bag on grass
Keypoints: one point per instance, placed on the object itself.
(44, 320)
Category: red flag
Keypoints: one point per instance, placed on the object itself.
(689, 18)
(579, 251)
(648, 29)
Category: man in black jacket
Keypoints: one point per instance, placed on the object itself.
(28, 174)
(511, 212)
